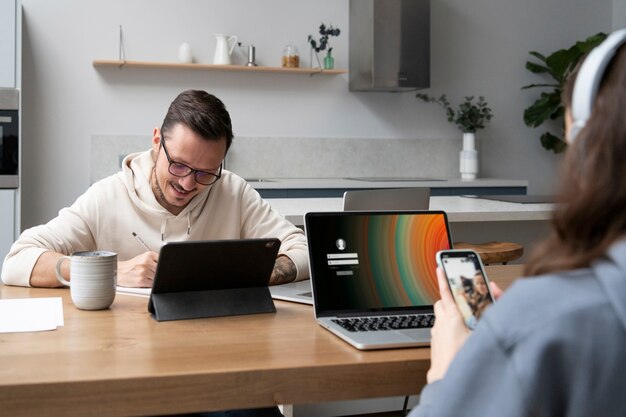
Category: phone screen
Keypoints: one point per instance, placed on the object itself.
(468, 283)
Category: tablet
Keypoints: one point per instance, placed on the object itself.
(211, 278)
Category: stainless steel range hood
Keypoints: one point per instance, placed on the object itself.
(389, 45)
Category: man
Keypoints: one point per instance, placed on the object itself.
(178, 190)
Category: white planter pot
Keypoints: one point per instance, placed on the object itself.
(468, 162)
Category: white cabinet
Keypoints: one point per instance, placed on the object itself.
(7, 221)
(8, 36)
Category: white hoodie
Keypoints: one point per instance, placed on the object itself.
(105, 217)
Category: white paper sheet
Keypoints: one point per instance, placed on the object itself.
(30, 314)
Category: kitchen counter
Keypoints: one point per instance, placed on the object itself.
(335, 187)
(458, 209)
(471, 219)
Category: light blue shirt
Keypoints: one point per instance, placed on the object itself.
(553, 345)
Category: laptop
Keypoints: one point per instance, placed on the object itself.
(297, 292)
(373, 274)
(416, 198)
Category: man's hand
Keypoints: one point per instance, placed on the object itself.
(137, 272)
(284, 271)
(448, 334)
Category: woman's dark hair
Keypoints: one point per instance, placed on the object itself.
(591, 201)
(203, 113)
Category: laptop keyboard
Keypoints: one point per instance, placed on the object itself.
(368, 324)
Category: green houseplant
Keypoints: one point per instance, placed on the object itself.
(469, 116)
(322, 43)
(557, 66)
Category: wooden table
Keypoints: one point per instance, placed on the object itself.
(120, 362)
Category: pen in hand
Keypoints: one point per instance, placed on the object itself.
(141, 242)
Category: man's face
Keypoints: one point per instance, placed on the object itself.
(185, 147)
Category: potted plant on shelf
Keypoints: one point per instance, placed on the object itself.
(322, 44)
(548, 106)
(469, 117)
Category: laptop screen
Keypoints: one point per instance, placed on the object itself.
(375, 261)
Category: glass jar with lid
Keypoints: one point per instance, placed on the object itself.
(291, 57)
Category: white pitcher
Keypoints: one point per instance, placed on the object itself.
(223, 49)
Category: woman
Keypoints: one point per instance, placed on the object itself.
(555, 344)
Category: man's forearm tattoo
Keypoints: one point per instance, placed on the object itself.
(284, 271)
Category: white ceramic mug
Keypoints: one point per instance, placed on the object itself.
(93, 278)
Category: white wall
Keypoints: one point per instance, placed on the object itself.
(7, 43)
(619, 14)
(478, 47)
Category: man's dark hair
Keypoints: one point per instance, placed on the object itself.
(203, 113)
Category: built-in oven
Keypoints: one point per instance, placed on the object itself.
(9, 138)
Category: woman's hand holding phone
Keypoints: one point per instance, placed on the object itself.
(448, 334)
(468, 283)
(450, 330)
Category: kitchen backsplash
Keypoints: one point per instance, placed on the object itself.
(107, 152)
(338, 158)
(258, 158)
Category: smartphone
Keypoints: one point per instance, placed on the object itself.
(467, 281)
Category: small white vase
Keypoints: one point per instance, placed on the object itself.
(184, 53)
(468, 163)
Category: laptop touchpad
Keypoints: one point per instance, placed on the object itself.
(417, 334)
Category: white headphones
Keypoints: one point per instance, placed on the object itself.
(588, 80)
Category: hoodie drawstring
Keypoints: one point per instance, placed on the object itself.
(164, 225)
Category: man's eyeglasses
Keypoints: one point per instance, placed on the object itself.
(179, 169)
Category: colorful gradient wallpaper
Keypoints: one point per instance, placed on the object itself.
(396, 259)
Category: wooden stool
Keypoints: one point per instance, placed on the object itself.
(494, 252)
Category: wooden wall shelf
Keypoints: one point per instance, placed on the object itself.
(208, 67)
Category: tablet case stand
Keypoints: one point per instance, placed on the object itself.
(197, 279)
(211, 303)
